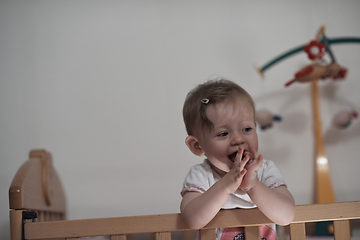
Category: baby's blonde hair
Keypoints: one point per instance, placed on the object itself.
(211, 92)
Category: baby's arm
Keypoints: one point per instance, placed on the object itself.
(198, 209)
(277, 204)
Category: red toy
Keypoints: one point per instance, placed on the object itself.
(318, 71)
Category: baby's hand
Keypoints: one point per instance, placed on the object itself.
(233, 179)
(251, 178)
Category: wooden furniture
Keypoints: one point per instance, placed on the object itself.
(324, 190)
(36, 189)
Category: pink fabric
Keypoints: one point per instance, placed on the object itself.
(237, 233)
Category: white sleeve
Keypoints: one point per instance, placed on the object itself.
(196, 180)
(270, 175)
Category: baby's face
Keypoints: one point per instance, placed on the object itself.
(234, 127)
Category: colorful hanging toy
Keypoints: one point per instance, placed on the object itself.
(344, 119)
(315, 51)
(265, 119)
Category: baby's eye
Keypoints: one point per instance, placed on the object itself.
(223, 134)
(247, 129)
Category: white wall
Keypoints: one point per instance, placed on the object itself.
(101, 85)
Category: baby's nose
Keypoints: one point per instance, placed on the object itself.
(237, 140)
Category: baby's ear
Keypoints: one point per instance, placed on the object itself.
(194, 146)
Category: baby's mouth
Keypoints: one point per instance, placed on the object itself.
(233, 156)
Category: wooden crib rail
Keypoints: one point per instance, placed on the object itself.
(163, 225)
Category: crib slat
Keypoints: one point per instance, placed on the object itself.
(252, 233)
(207, 234)
(40, 216)
(342, 230)
(118, 237)
(297, 231)
(186, 235)
(163, 236)
(15, 224)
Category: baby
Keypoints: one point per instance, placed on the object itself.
(219, 117)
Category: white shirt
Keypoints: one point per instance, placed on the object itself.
(201, 177)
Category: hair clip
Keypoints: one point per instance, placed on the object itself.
(205, 100)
